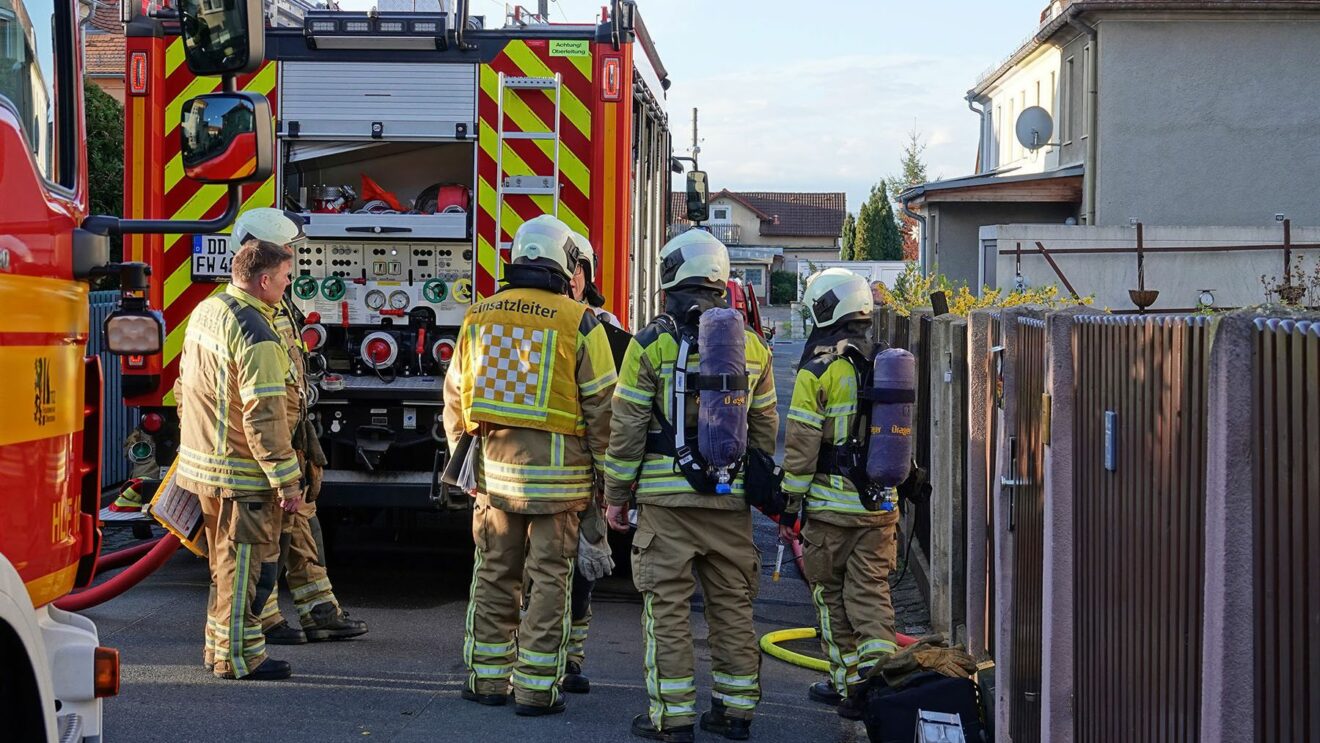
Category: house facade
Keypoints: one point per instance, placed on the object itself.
(770, 230)
(1185, 113)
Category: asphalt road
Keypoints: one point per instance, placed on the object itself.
(401, 681)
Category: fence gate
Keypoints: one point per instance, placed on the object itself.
(1027, 520)
(1139, 478)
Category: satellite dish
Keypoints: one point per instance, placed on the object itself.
(1034, 128)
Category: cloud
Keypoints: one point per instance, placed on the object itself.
(826, 124)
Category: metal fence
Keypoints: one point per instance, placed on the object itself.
(117, 420)
(1139, 480)
(1286, 517)
(1027, 521)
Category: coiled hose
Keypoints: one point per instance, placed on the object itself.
(145, 559)
(770, 640)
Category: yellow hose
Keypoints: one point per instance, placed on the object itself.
(770, 645)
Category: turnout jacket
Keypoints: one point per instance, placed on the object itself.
(823, 411)
(232, 393)
(532, 377)
(646, 384)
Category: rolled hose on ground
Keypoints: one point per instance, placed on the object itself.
(770, 640)
(162, 551)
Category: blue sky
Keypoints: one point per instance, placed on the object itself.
(819, 96)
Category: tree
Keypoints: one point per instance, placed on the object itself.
(848, 250)
(783, 287)
(877, 232)
(105, 156)
(914, 173)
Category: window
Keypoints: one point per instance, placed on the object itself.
(1065, 110)
(1012, 128)
(34, 36)
(755, 277)
(1052, 109)
(719, 214)
(1037, 93)
(999, 117)
(1086, 96)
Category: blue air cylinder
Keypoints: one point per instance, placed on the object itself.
(722, 414)
(889, 452)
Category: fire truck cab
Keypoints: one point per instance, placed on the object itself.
(53, 671)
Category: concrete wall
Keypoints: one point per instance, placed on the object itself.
(980, 406)
(955, 227)
(1208, 121)
(1233, 277)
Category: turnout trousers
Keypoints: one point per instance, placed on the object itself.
(848, 568)
(509, 545)
(242, 549)
(669, 544)
(304, 568)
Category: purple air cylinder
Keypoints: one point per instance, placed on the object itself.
(722, 414)
(889, 454)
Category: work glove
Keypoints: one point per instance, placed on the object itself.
(594, 560)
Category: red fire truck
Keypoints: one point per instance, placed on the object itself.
(414, 145)
(53, 671)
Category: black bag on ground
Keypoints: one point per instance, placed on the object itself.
(890, 713)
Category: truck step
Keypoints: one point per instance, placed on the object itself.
(531, 83)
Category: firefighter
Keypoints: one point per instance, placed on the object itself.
(320, 617)
(594, 558)
(678, 526)
(236, 451)
(849, 549)
(531, 379)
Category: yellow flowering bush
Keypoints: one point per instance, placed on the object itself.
(912, 290)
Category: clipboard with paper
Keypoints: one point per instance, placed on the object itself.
(179, 511)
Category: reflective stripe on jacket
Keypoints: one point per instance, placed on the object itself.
(232, 391)
(823, 411)
(647, 377)
(527, 462)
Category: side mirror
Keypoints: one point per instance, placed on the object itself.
(222, 36)
(698, 196)
(227, 138)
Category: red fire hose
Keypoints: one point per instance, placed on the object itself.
(156, 553)
(120, 558)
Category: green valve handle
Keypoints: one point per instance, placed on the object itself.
(332, 288)
(435, 291)
(304, 287)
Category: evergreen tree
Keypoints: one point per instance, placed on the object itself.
(848, 250)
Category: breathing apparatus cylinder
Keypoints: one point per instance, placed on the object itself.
(722, 413)
(893, 394)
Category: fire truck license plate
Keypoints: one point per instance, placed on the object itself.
(211, 258)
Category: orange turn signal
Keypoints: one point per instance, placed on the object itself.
(106, 673)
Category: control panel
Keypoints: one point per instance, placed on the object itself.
(363, 283)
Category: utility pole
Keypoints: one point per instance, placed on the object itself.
(696, 146)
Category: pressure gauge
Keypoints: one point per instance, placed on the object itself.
(375, 299)
(399, 300)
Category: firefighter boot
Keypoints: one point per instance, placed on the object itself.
(824, 693)
(539, 710)
(269, 670)
(283, 634)
(490, 700)
(716, 721)
(574, 682)
(851, 706)
(642, 727)
(328, 622)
